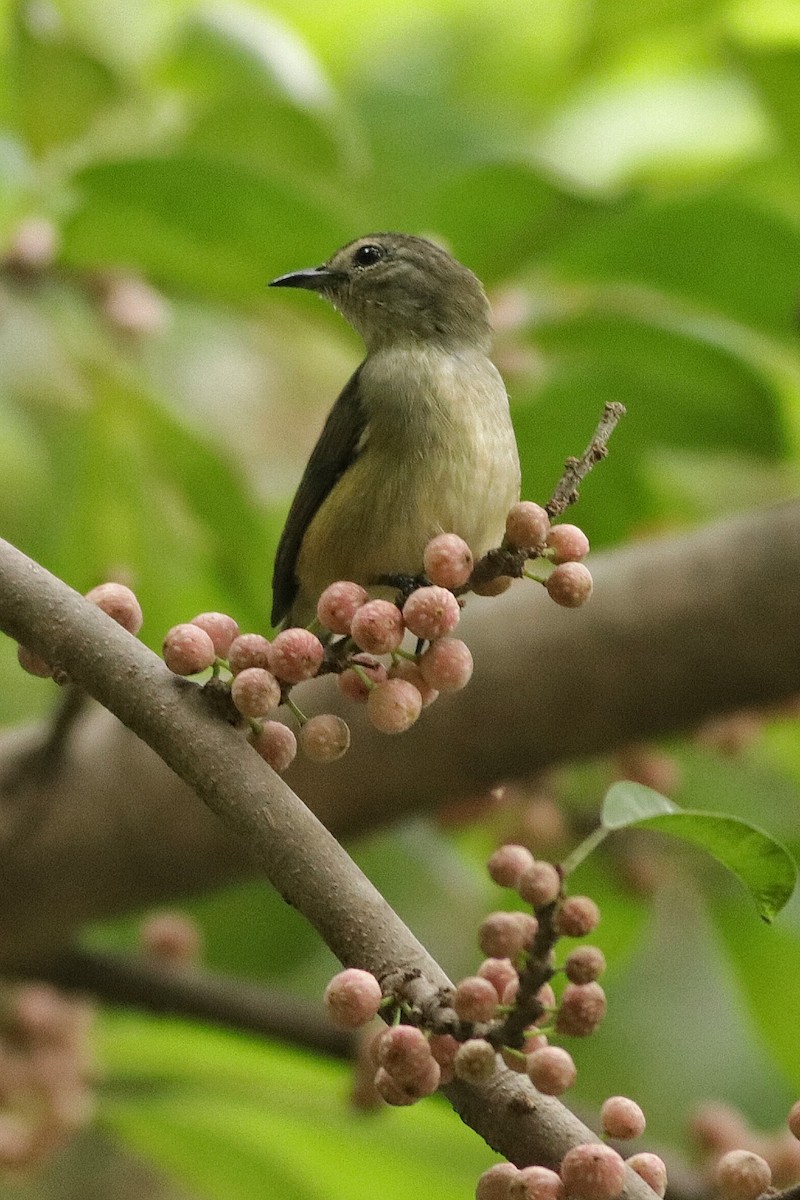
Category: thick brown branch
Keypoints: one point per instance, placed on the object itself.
(297, 854)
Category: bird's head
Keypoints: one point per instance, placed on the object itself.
(392, 287)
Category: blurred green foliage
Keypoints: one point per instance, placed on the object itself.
(624, 177)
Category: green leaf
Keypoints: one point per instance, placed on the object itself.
(197, 225)
(626, 803)
(763, 865)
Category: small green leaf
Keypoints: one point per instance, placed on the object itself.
(627, 803)
(763, 865)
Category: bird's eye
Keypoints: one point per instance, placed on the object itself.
(365, 256)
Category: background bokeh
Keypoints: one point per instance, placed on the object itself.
(624, 176)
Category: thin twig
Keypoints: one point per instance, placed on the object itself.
(576, 469)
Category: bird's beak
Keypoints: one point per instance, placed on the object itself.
(313, 278)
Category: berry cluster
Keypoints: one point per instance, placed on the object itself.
(507, 1011)
(352, 633)
(741, 1162)
(45, 1073)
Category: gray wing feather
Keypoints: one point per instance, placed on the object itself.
(336, 449)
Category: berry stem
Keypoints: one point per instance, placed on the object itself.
(583, 851)
(290, 704)
(528, 574)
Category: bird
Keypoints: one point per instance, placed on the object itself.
(420, 440)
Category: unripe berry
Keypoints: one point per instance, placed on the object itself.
(405, 669)
(508, 863)
(255, 692)
(476, 1061)
(188, 649)
(527, 525)
(408, 1091)
(33, 663)
(547, 998)
(592, 1172)
(651, 1169)
(500, 935)
(582, 1008)
(339, 603)
(536, 1183)
(431, 612)
(444, 1049)
(540, 884)
(390, 1090)
(447, 560)
(551, 1070)
(496, 1183)
(353, 998)
(742, 1175)
(570, 584)
(325, 738)
(221, 628)
(353, 686)
(475, 999)
(568, 543)
(377, 627)
(499, 971)
(622, 1118)
(295, 655)
(171, 937)
(447, 665)
(405, 1053)
(120, 603)
(276, 744)
(585, 964)
(248, 650)
(394, 706)
(528, 926)
(577, 916)
(793, 1120)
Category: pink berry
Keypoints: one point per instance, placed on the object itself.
(134, 307)
(405, 669)
(353, 998)
(431, 612)
(295, 655)
(351, 683)
(188, 649)
(248, 650)
(120, 603)
(221, 628)
(500, 935)
(276, 744)
(394, 706)
(377, 627)
(255, 692)
(496, 1183)
(444, 1049)
(568, 543)
(551, 1070)
(34, 664)
(540, 884)
(475, 999)
(339, 603)
(325, 738)
(447, 665)
(405, 1053)
(447, 561)
(499, 971)
(507, 864)
(171, 937)
(527, 526)
(718, 1127)
(528, 925)
(390, 1090)
(793, 1120)
(537, 1183)
(570, 584)
(592, 1172)
(582, 1008)
(476, 1061)
(577, 916)
(622, 1118)
(585, 964)
(742, 1175)
(651, 1169)
(33, 246)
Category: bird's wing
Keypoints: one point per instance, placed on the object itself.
(336, 450)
